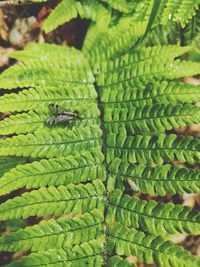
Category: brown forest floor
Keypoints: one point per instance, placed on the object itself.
(22, 25)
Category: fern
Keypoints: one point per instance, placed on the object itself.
(49, 143)
(80, 175)
(88, 253)
(54, 172)
(170, 11)
(147, 215)
(157, 180)
(150, 149)
(116, 261)
(55, 233)
(52, 201)
(90, 9)
(148, 248)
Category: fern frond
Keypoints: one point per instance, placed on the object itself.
(165, 53)
(146, 66)
(42, 71)
(55, 172)
(46, 52)
(55, 233)
(191, 30)
(115, 40)
(64, 12)
(147, 71)
(148, 248)
(117, 261)
(186, 11)
(69, 9)
(153, 149)
(183, 68)
(31, 121)
(50, 143)
(112, 105)
(40, 97)
(169, 11)
(8, 163)
(55, 201)
(164, 35)
(158, 180)
(156, 92)
(179, 11)
(87, 254)
(147, 60)
(150, 118)
(121, 5)
(34, 73)
(158, 219)
(24, 123)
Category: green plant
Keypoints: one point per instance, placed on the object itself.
(129, 97)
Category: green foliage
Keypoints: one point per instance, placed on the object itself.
(148, 149)
(88, 253)
(148, 248)
(51, 143)
(55, 201)
(68, 9)
(168, 11)
(157, 180)
(54, 172)
(79, 176)
(117, 261)
(55, 233)
(149, 216)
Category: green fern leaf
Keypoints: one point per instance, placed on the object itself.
(163, 219)
(158, 180)
(119, 101)
(22, 75)
(55, 201)
(148, 248)
(63, 55)
(150, 118)
(8, 163)
(55, 233)
(117, 261)
(50, 143)
(156, 92)
(180, 11)
(32, 121)
(87, 254)
(122, 5)
(148, 71)
(69, 9)
(39, 98)
(54, 172)
(148, 149)
(110, 42)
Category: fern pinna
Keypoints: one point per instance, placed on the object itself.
(81, 175)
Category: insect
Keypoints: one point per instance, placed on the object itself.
(61, 115)
(133, 185)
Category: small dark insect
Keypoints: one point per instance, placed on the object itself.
(61, 115)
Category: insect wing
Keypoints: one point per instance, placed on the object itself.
(133, 185)
(60, 119)
(57, 110)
